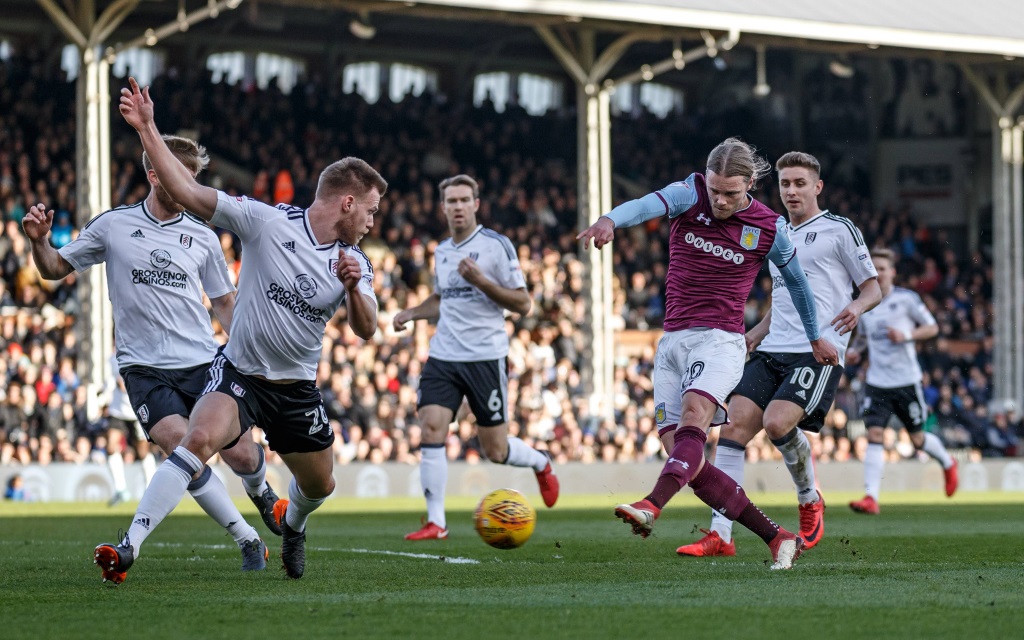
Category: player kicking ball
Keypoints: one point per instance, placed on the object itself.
(720, 238)
(784, 389)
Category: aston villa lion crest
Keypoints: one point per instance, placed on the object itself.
(749, 237)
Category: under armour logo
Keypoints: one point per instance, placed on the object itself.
(290, 245)
(681, 463)
(138, 234)
(703, 218)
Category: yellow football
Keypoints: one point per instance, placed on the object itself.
(504, 519)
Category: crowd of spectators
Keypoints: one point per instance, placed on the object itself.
(526, 167)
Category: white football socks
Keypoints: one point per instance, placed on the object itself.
(115, 462)
(149, 467)
(796, 452)
(729, 461)
(933, 447)
(212, 496)
(521, 454)
(434, 480)
(163, 495)
(299, 507)
(256, 482)
(873, 463)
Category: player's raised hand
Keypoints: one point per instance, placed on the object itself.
(470, 270)
(349, 270)
(601, 231)
(136, 105)
(37, 222)
(824, 352)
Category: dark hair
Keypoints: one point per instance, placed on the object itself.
(349, 175)
(459, 180)
(189, 152)
(733, 157)
(799, 159)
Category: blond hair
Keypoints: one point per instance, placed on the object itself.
(189, 152)
(733, 157)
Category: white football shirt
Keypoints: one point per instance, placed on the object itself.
(832, 253)
(287, 289)
(471, 327)
(154, 273)
(894, 365)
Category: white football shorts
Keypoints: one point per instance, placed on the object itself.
(702, 360)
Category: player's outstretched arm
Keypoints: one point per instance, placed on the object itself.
(673, 200)
(137, 108)
(37, 223)
(429, 309)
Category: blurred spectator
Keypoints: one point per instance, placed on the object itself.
(15, 490)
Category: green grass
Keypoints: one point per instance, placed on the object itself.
(922, 569)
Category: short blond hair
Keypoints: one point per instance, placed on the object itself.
(349, 175)
(882, 252)
(189, 152)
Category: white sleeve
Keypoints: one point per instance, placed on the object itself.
(855, 257)
(242, 214)
(90, 247)
(919, 311)
(214, 272)
(510, 272)
(366, 281)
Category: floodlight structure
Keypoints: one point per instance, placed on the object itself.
(762, 88)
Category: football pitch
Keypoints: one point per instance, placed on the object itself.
(924, 568)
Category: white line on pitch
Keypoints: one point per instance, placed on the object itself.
(423, 556)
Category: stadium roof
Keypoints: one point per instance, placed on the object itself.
(981, 26)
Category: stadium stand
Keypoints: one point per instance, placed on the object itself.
(526, 166)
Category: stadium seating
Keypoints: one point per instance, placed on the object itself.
(526, 166)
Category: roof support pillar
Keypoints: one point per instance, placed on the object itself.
(1007, 236)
